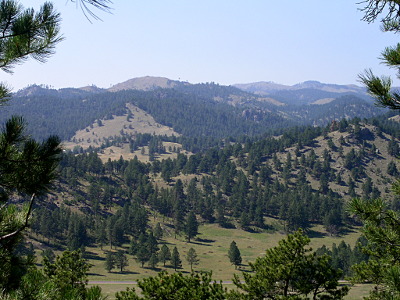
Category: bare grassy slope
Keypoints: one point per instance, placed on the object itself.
(141, 122)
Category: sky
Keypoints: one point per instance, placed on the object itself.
(221, 41)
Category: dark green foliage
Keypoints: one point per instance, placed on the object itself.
(142, 255)
(165, 254)
(230, 192)
(176, 261)
(192, 258)
(121, 261)
(158, 232)
(27, 168)
(25, 33)
(393, 148)
(49, 255)
(64, 279)
(291, 270)
(76, 235)
(191, 226)
(176, 286)
(110, 261)
(68, 273)
(392, 169)
(381, 231)
(151, 243)
(153, 261)
(234, 255)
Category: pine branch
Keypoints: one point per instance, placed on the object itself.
(380, 89)
(102, 5)
(9, 235)
(374, 8)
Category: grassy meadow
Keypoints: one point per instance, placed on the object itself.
(211, 245)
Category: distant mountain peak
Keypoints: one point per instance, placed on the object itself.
(91, 88)
(146, 83)
(269, 88)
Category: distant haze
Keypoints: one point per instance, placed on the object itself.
(225, 42)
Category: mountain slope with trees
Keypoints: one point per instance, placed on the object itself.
(192, 110)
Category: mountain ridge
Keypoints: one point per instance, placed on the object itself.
(205, 109)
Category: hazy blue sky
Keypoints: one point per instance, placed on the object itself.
(224, 41)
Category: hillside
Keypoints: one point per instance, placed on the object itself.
(254, 192)
(134, 121)
(191, 110)
(301, 179)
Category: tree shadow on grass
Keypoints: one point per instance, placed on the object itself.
(198, 243)
(200, 240)
(245, 270)
(315, 234)
(92, 255)
(124, 272)
(95, 274)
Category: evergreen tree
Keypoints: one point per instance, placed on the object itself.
(234, 255)
(151, 244)
(175, 259)
(121, 261)
(177, 286)
(158, 232)
(68, 272)
(392, 169)
(100, 233)
(289, 271)
(221, 219)
(192, 258)
(380, 87)
(143, 255)
(49, 255)
(191, 226)
(153, 261)
(381, 230)
(27, 167)
(165, 254)
(110, 261)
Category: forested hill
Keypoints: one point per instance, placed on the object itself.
(188, 114)
(301, 179)
(193, 110)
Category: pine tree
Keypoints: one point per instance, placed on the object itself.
(392, 169)
(110, 261)
(381, 229)
(191, 226)
(165, 254)
(380, 87)
(153, 261)
(234, 255)
(291, 271)
(177, 286)
(192, 258)
(158, 232)
(27, 167)
(100, 233)
(68, 272)
(175, 259)
(49, 255)
(143, 255)
(121, 261)
(151, 244)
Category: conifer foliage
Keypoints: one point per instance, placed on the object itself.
(27, 167)
(380, 87)
(234, 254)
(381, 229)
(291, 269)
